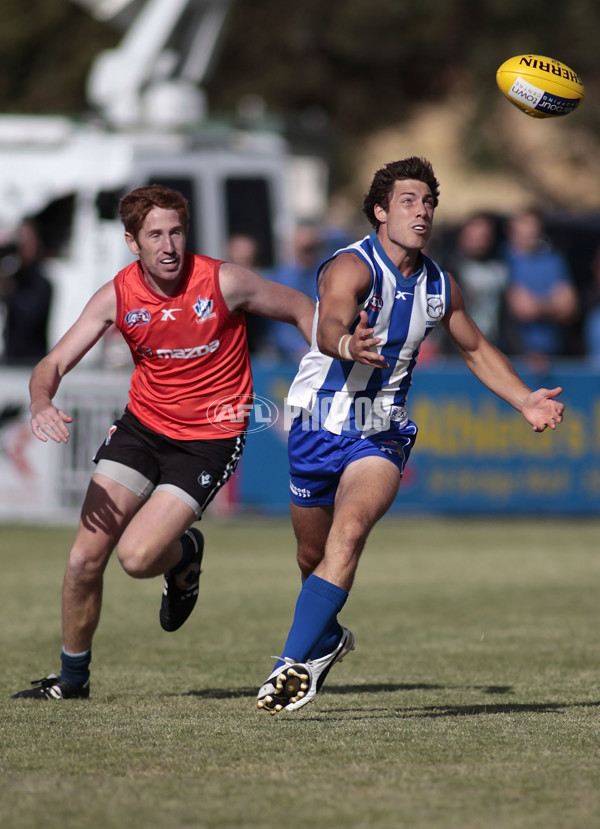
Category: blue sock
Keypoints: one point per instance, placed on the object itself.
(76, 667)
(315, 629)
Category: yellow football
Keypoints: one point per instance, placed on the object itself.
(540, 87)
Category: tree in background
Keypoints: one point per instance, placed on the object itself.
(331, 71)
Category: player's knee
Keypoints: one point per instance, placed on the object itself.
(306, 563)
(85, 564)
(308, 558)
(352, 533)
(133, 560)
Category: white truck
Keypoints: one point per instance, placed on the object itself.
(150, 126)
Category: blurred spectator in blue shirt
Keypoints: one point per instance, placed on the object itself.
(243, 249)
(299, 272)
(541, 298)
(591, 320)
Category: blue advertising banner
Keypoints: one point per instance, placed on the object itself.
(474, 454)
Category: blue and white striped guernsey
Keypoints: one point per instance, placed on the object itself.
(356, 400)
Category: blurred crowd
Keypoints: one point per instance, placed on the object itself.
(309, 246)
(521, 290)
(519, 285)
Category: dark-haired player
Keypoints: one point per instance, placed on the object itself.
(378, 299)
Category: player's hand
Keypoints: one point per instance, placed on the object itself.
(542, 410)
(50, 422)
(362, 342)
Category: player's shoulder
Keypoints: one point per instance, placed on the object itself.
(346, 270)
(102, 304)
(234, 276)
(348, 260)
(239, 285)
(105, 292)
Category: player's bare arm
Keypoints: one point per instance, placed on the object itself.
(47, 421)
(341, 286)
(495, 370)
(245, 290)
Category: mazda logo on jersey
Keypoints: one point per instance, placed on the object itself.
(435, 307)
(144, 350)
(179, 353)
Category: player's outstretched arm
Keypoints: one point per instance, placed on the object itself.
(494, 369)
(47, 421)
(245, 290)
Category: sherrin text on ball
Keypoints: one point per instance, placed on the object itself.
(539, 86)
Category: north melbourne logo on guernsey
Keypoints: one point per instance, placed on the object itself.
(204, 309)
(138, 316)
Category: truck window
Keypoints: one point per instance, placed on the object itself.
(55, 222)
(249, 211)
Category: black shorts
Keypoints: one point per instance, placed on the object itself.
(145, 461)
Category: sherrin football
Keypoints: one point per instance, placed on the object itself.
(540, 87)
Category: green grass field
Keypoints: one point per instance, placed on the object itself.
(472, 699)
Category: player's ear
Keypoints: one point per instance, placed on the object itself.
(380, 214)
(132, 244)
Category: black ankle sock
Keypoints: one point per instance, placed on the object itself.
(75, 667)
(188, 552)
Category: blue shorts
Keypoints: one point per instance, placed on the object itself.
(318, 458)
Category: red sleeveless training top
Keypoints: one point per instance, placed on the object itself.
(192, 378)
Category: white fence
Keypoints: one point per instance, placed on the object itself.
(44, 481)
